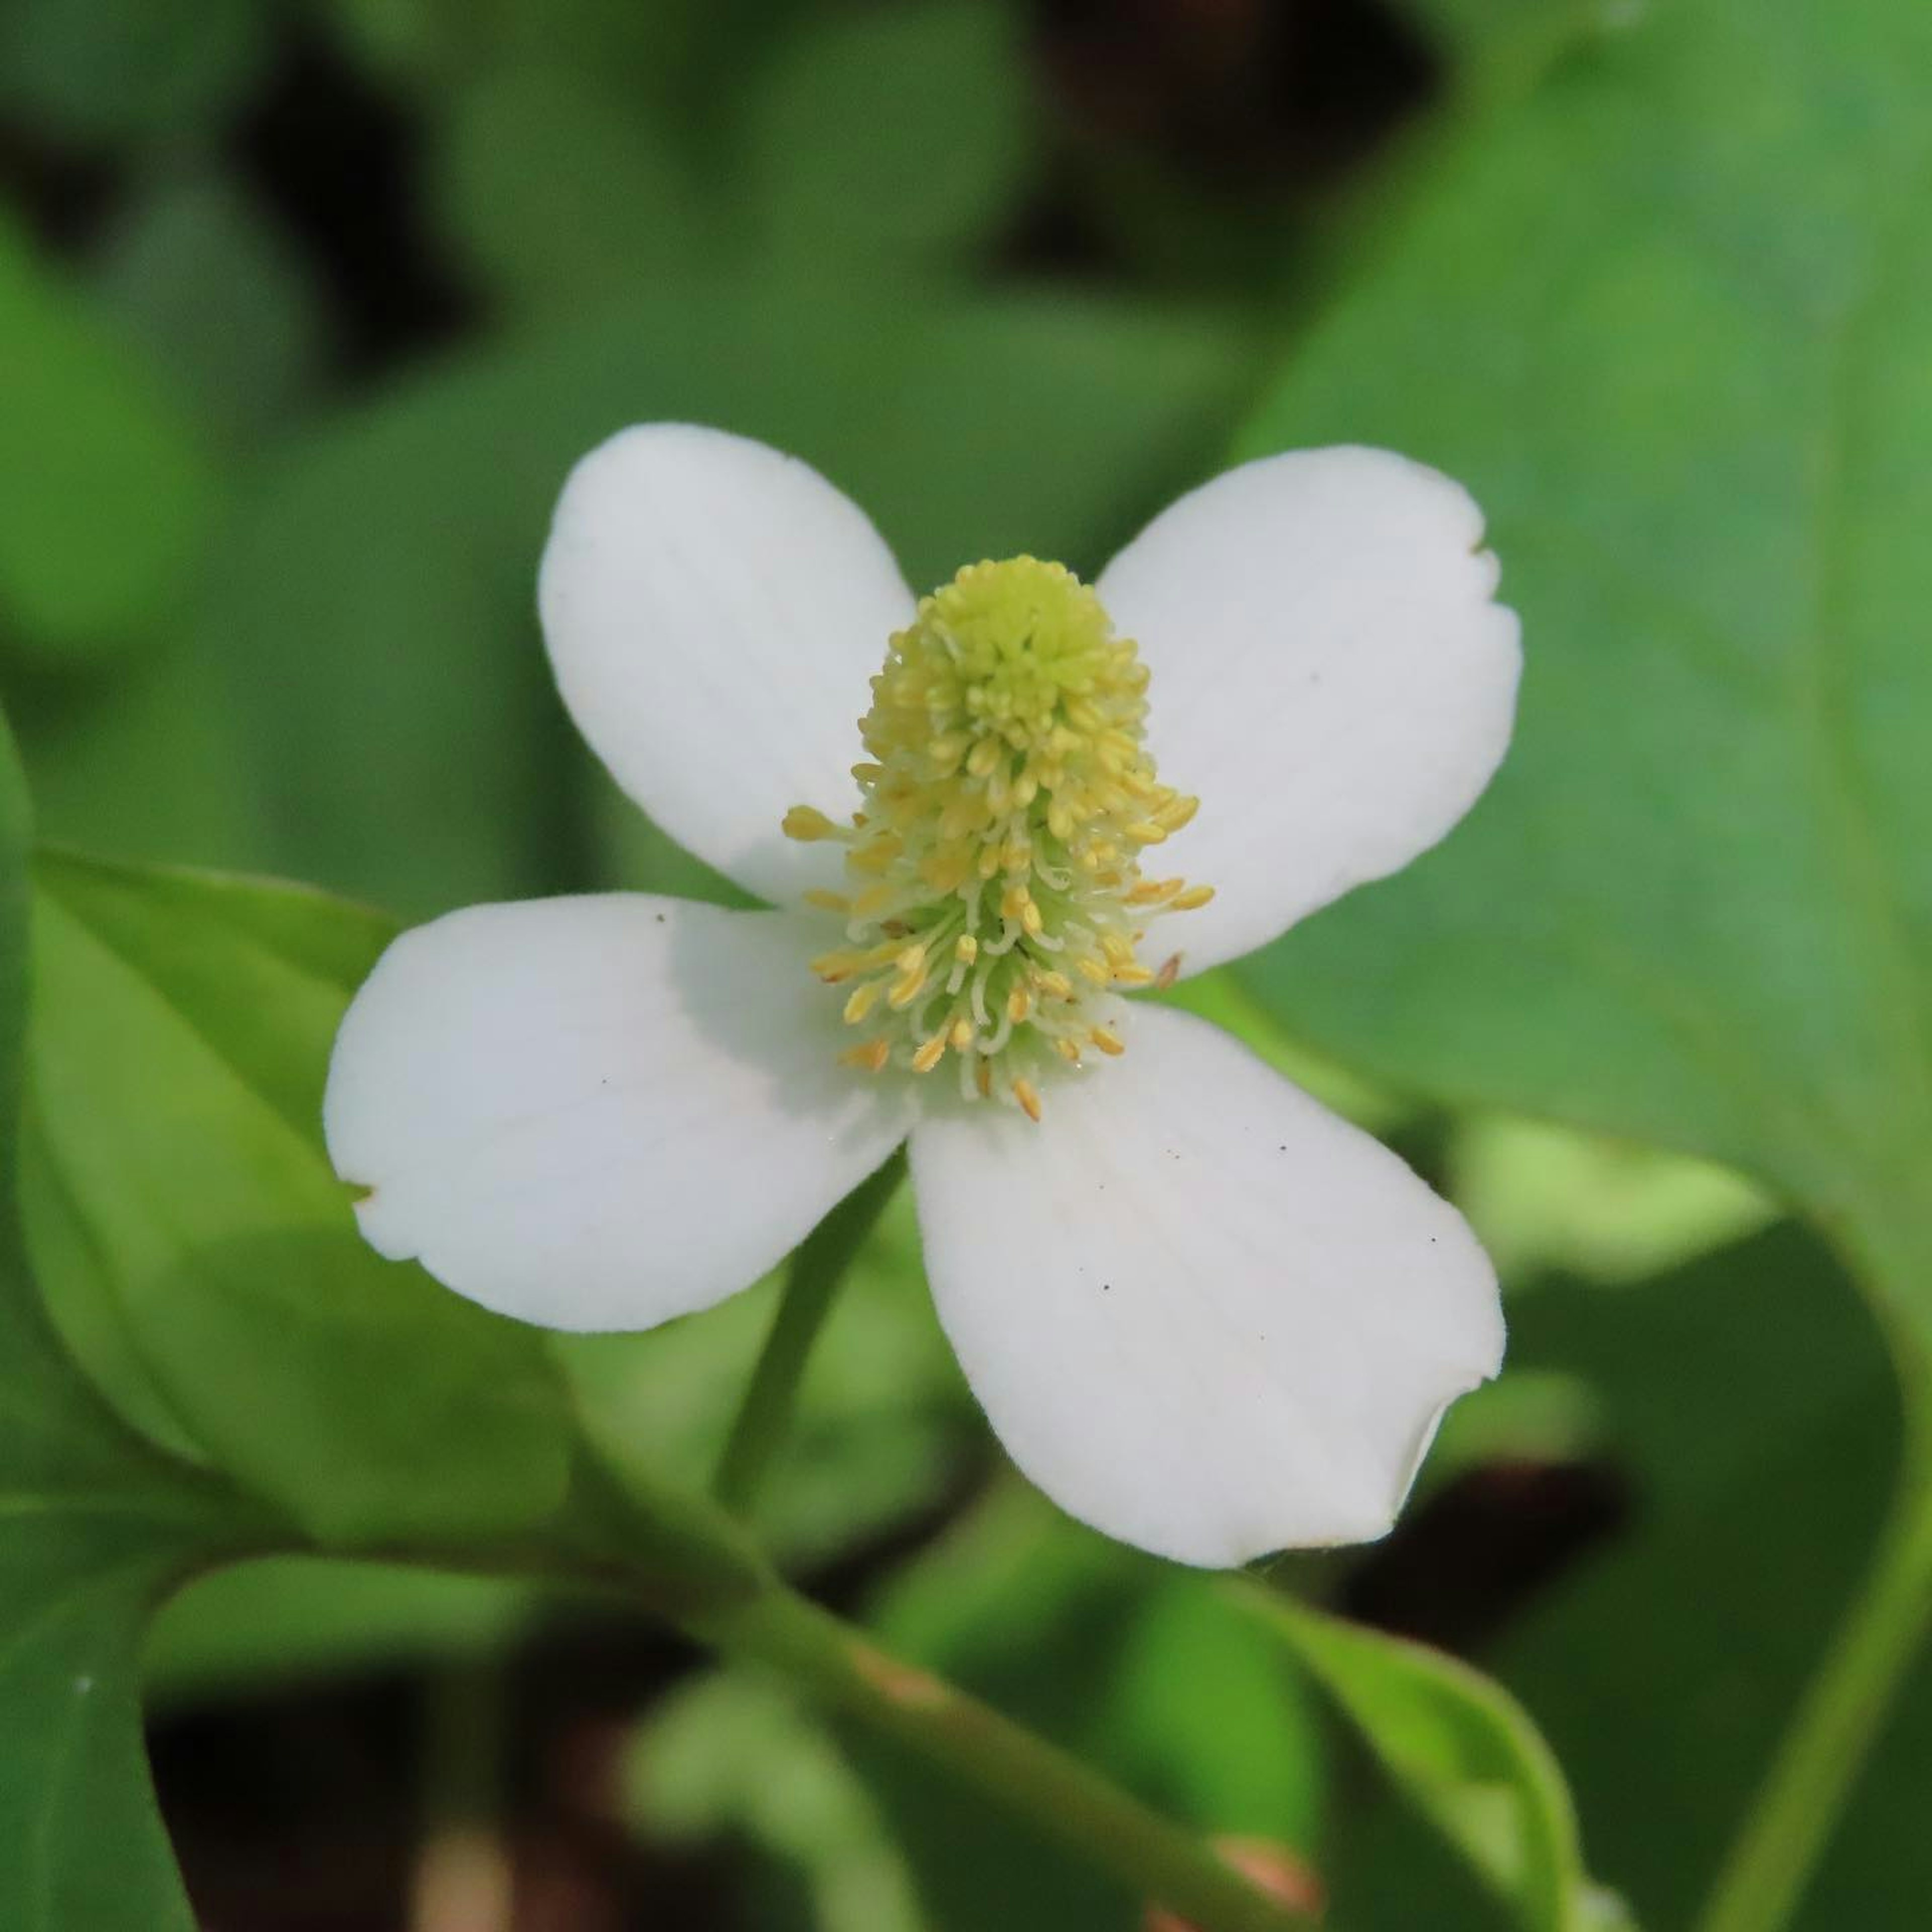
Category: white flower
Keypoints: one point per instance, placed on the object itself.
(1203, 1314)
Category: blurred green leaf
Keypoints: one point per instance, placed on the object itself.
(1498, 46)
(900, 131)
(180, 1034)
(1205, 1718)
(106, 499)
(517, 144)
(202, 282)
(735, 1757)
(882, 1418)
(1543, 1197)
(375, 604)
(1748, 1400)
(256, 1628)
(1671, 320)
(94, 1529)
(144, 758)
(96, 71)
(1457, 1745)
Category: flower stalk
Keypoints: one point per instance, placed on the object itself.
(684, 1560)
(811, 1284)
(1053, 1791)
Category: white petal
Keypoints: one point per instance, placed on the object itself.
(1202, 1313)
(1330, 676)
(714, 610)
(600, 1112)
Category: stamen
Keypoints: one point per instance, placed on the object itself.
(805, 823)
(997, 905)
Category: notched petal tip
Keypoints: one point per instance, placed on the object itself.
(1240, 1318)
(1335, 678)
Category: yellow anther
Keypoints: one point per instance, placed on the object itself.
(1067, 1051)
(1176, 812)
(864, 997)
(1194, 896)
(872, 1056)
(982, 1079)
(1132, 976)
(966, 948)
(828, 901)
(1097, 971)
(945, 869)
(1019, 1004)
(929, 1055)
(905, 990)
(1054, 983)
(909, 959)
(805, 823)
(876, 855)
(1144, 832)
(1027, 1095)
(1108, 1040)
(960, 1036)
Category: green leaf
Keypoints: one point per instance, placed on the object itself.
(896, 131)
(105, 499)
(1671, 320)
(180, 1031)
(93, 1528)
(81, 1844)
(376, 600)
(1457, 1745)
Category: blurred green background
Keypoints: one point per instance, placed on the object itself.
(304, 311)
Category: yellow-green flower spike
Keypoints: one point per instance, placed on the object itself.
(995, 900)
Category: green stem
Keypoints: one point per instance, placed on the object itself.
(811, 1284)
(1051, 1790)
(1810, 1779)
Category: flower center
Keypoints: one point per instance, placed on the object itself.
(996, 900)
